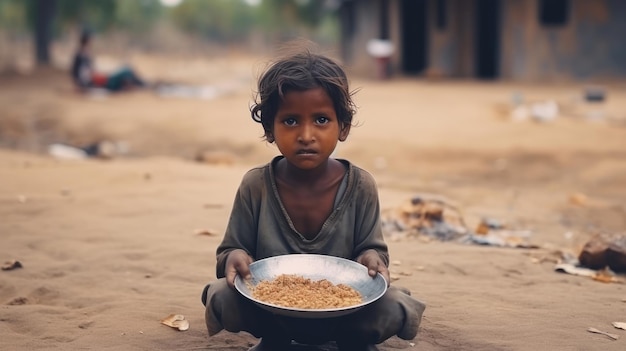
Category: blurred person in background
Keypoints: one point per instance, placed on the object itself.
(85, 76)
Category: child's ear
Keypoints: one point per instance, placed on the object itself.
(345, 130)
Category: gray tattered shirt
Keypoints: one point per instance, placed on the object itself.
(260, 225)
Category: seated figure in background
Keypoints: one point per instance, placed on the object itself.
(85, 76)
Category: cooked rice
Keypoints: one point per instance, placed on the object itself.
(289, 290)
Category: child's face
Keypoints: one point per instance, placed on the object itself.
(306, 128)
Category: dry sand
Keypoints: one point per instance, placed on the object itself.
(109, 248)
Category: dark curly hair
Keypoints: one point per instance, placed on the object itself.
(298, 72)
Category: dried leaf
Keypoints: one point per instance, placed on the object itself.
(176, 321)
(578, 199)
(605, 277)
(182, 325)
(620, 325)
(594, 330)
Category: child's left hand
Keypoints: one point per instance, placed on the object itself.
(374, 264)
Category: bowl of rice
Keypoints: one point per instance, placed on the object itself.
(310, 286)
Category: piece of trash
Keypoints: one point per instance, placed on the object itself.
(11, 265)
(545, 111)
(487, 224)
(425, 215)
(600, 276)
(66, 152)
(106, 149)
(411, 344)
(503, 238)
(620, 325)
(574, 270)
(594, 330)
(177, 321)
(594, 94)
(207, 232)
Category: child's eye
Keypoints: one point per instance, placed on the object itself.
(322, 120)
(290, 122)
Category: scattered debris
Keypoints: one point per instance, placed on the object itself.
(427, 215)
(176, 321)
(495, 233)
(104, 149)
(594, 330)
(504, 238)
(603, 276)
(574, 270)
(11, 265)
(432, 217)
(555, 256)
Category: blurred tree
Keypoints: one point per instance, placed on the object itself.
(221, 20)
(43, 17)
(46, 16)
(13, 15)
(137, 16)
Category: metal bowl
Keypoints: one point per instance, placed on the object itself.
(315, 267)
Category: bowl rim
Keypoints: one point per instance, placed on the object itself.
(239, 282)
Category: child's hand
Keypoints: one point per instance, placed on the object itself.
(374, 264)
(237, 262)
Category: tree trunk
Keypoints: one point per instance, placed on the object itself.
(44, 16)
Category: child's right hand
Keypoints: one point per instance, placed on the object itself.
(237, 262)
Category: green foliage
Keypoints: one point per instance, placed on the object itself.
(218, 19)
(13, 15)
(221, 20)
(137, 15)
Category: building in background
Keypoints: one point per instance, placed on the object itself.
(523, 40)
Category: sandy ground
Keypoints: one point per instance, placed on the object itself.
(109, 248)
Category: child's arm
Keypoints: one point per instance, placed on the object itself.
(237, 249)
(370, 248)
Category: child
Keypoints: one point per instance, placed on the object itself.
(85, 76)
(304, 201)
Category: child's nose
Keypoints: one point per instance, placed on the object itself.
(307, 134)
